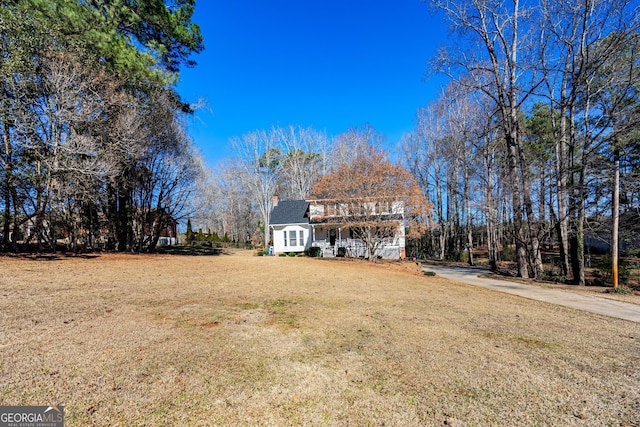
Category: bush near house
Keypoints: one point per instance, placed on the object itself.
(313, 251)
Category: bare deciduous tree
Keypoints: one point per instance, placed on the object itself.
(347, 145)
(373, 198)
(579, 39)
(496, 60)
(424, 155)
(304, 158)
(257, 164)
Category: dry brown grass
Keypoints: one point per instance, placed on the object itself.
(242, 340)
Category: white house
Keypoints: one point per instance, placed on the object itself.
(298, 225)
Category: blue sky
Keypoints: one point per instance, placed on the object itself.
(326, 64)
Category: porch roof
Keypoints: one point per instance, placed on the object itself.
(340, 220)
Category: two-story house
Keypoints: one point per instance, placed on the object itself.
(352, 229)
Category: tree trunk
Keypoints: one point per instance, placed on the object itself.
(615, 216)
(516, 192)
(15, 201)
(490, 209)
(542, 203)
(266, 232)
(562, 180)
(7, 216)
(8, 184)
(443, 225)
(112, 214)
(124, 224)
(469, 222)
(577, 243)
(535, 256)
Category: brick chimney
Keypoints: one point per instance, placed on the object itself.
(275, 200)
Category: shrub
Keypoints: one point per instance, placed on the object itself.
(554, 276)
(313, 251)
(457, 256)
(292, 254)
(429, 273)
(634, 253)
(282, 254)
(621, 290)
(604, 267)
(260, 253)
(508, 253)
(342, 252)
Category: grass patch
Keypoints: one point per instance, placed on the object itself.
(621, 290)
(283, 313)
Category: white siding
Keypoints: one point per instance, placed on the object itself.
(279, 238)
(316, 210)
(397, 208)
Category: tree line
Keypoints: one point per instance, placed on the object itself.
(94, 148)
(536, 136)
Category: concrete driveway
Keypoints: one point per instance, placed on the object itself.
(607, 307)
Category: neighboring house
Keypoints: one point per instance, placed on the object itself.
(597, 236)
(152, 222)
(301, 224)
(169, 234)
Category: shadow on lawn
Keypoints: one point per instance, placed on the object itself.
(190, 250)
(50, 256)
(164, 250)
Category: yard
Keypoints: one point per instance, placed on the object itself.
(236, 339)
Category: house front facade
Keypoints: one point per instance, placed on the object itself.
(298, 225)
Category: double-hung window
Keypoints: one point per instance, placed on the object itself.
(292, 238)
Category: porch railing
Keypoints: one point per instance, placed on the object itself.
(355, 247)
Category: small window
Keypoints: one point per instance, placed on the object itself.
(301, 237)
(292, 238)
(285, 237)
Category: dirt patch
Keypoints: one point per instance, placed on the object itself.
(243, 340)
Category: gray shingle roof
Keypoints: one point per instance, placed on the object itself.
(290, 212)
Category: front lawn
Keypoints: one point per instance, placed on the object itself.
(236, 339)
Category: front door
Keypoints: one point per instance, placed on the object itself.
(332, 237)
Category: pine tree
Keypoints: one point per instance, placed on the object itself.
(190, 235)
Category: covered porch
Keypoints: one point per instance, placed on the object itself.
(330, 237)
